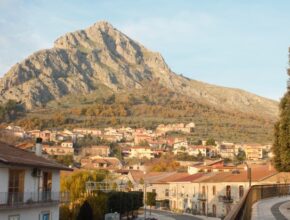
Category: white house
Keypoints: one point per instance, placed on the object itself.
(141, 152)
(67, 144)
(29, 184)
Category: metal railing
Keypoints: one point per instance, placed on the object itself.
(202, 197)
(226, 199)
(243, 210)
(27, 199)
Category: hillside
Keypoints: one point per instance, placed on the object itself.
(87, 66)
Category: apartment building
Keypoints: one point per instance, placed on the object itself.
(254, 151)
(205, 193)
(227, 150)
(215, 193)
(30, 185)
(103, 151)
(101, 163)
(141, 152)
(58, 150)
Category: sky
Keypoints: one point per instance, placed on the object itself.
(241, 44)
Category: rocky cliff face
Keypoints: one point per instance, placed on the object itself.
(82, 61)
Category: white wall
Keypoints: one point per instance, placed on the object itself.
(31, 214)
(30, 182)
(55, 181)
(31, 185)
(3, 184)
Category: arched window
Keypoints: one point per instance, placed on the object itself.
(203, 190)
(214, 210)
(213, 190)
(241, 191)
(228, 191)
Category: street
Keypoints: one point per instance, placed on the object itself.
(164, 215)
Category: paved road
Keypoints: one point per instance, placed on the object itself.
(276, 211)
(162, 215)
(271, 208)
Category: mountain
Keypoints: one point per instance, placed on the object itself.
(82, 61)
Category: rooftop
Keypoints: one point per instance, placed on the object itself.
(14, 156)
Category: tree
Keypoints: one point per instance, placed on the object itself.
(151, 199)
(240, 157)
(210, 142)
(281, 145)
(75, 183)
(86, 212)
(130, 185)
(199, 156)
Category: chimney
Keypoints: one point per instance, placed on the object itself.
(38, 147)
(270, 166)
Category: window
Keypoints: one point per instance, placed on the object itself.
(14, 217)
(241, 191)
(16, 186)
(167, 192)
(47, 181)
(203, 190)
(213, 190)
(44, 216)
(214, 210)
(228, 192)
(46, 185)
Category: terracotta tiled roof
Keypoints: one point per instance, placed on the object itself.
(14, 156)
(189, 178)
(157, 177)
(140, 147)
(259, 172)
(174, 177)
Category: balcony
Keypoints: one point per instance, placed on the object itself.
(226, 199)
(31, 199)
(202, 197)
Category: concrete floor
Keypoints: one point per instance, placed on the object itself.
(272, 208)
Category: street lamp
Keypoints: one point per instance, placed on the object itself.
(249, 174)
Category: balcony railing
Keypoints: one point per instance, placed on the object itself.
(243, 211)
(202, 197)
(28, 199)
(226, 199)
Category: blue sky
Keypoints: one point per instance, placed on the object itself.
(241, 43)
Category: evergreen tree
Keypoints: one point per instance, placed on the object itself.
(281, 145)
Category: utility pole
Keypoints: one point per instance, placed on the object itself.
(144, 200)
(249, 174)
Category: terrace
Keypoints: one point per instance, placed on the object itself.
(267, 198)
(31, 199)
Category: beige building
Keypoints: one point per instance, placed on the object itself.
(58, 150)
(205, 193)
(103, 151)
(254, 151)
(188, 128)
(227, 150)
(67, 144)
(141, 152)
(102, 163)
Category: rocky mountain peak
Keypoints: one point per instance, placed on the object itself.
(83, 60)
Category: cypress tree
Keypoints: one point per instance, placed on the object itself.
(281, 145)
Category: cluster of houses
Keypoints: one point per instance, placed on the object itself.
(134, 143)
(209, 188)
